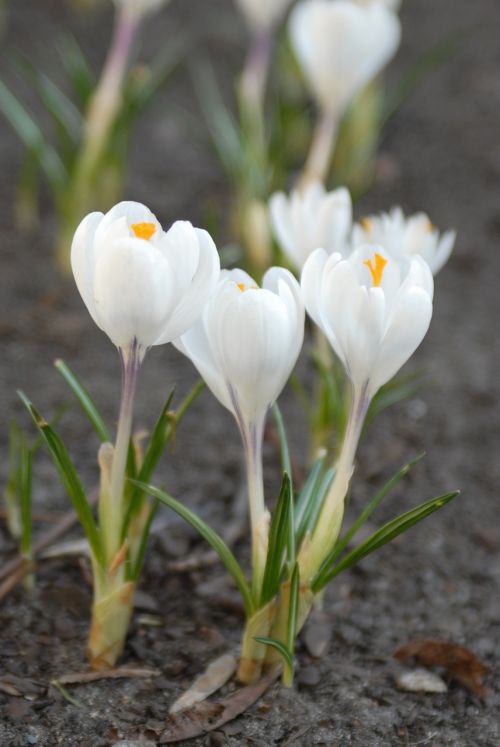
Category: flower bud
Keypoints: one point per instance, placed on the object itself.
(341, 46)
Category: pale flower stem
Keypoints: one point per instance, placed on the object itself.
(131, 361)
(255, 73)
(107, 96)
(330, 518)
(321, 150)
(252, 439)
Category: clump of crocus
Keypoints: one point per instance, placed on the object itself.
(245, 347)
(374, 316)
(374, 313)
(143, 287)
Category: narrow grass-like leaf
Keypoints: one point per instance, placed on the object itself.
(383, 535)
(279, 535)
(25, 496)
(140, 92)
(163, 432)
(213, 539)
(69, 478)
(279, 646)
(429, 61)
(67, 118)
(88, 405)
(33, 138)
(311, 482)
(223, 129)
(11, 492)
(79, 71)
(293, 610)
(313, 507)
(139, 559)
(367, 511)
(396, 390)
(286, 465)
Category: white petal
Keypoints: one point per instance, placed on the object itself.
(132, 292)
(443, 252)
(83, 261)
(310, 283)
(411, 316)
(195, 277)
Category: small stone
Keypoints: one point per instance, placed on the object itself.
(134, 743)
(317, 634)
(309, 676)
(420, 681)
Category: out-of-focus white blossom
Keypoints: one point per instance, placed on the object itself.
(311, 219)
(373, 313)
(142, 286)
(391, 4)
(404, 237)
(341, 46)
(139, 8)
(263, 14)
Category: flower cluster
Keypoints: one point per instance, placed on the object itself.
(144, 286)
(367, 287)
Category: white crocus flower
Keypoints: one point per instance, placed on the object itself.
(309, 219)
(341, 46)
(263, 14)
(142, 286)
(245, 346)
(406, 237)
(374, 315)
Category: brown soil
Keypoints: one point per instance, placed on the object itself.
(441, 153)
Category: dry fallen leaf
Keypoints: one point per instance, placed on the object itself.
(206, 717)
(80, 678)
(21, 687)
(460, 663)
(213, 678)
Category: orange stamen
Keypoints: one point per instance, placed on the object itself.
(366, 224)
(243, 287)
(143, 230)
(376, 269)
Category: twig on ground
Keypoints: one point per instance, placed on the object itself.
(15, 570)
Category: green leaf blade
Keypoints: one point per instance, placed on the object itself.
(280, 532)
(368, 510)
(86, 402)
(69, 478)
(382, 536)
(213, 539)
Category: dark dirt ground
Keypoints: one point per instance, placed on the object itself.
(442, 580)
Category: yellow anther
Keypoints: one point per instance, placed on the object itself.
(143, 230)
(430, 227)
(243, 287)
(376, 268)
(366, 224)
